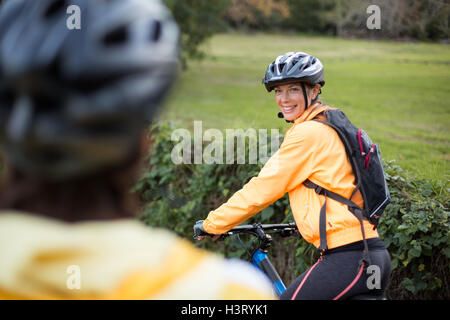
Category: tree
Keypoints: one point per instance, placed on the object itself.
(423, 19)
(257, 13)
(308, 15)
(198, 20)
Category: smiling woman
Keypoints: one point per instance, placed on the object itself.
(381, 85)
(287, 75)
(311, 152)
(291, 101)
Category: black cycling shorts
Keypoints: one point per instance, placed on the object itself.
(339, 274)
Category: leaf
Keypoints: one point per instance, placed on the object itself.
(394, 264)
(421, 285)
(225, 192)
(427, 192)
(446, 251)
(414, 253)
(436, 283)
(424, 227)
(409, 285)
(267, 213)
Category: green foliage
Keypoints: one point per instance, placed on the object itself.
(416, 230)
(415, 227)
(175, 196)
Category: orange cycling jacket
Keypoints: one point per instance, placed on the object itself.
(310, 150)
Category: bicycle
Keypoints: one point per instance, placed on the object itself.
(260, 257)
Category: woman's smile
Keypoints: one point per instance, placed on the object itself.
(290, 100)
(288, 109)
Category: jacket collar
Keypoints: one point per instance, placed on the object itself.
(312, 112)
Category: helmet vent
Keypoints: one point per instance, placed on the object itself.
(44, 103)
(116, 37)
(7, 98)
(54, 67)
(282, 66)
(272, 68)
(156, 31)
(55, 7)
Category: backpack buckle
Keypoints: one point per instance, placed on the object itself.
(358, 212)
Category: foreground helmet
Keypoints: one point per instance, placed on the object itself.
(74, 100)
(295, 66)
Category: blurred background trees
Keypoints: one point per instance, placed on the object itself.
(198, 20)
(256, 14)
(424, 20)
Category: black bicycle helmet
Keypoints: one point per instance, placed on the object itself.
(73, 101)
(295, 66)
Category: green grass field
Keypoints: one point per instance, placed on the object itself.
(397, 92)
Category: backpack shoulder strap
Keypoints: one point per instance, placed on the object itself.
(353, 208)
(323, 217)
(330, 194)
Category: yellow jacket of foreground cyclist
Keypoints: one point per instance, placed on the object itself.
(44, 259)
(310, 150)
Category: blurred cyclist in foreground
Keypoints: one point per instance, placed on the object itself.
(74, 107)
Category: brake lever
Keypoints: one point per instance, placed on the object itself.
(225, 235)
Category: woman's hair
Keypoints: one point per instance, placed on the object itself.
(101, 196)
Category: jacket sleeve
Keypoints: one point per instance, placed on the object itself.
(286, 169)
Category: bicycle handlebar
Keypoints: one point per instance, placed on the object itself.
(264, 226)
(285, 229)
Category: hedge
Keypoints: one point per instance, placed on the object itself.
(414, 227)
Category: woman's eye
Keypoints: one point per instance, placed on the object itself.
(293, 90)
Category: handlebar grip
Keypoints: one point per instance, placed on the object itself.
(199, 230)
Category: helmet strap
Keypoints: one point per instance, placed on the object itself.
(304, 95)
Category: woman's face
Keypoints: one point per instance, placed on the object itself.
(290, 100)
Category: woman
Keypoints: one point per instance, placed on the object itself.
(74, 106)
(310, 150)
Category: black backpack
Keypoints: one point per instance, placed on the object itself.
(367, 166)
